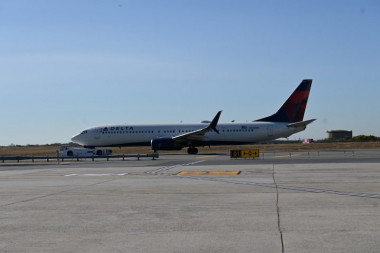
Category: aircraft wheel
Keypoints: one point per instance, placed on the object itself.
(192, 151)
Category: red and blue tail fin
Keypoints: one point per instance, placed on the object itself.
(294, 108)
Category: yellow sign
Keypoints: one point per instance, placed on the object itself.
(250, 153)
(245, 153)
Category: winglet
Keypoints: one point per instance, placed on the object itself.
(198, 134)
(214, 122)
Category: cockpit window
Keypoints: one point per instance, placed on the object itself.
(84, 132)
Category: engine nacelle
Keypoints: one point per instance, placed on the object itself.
(164, 143)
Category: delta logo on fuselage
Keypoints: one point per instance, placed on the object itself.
(118, 128)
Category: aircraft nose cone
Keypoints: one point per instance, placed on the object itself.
(76, 138)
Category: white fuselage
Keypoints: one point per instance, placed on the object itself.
(229, 133)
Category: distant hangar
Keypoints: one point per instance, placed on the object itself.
(339, 134)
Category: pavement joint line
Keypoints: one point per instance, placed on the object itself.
(283, 187)
(55, 193)
(278, 212)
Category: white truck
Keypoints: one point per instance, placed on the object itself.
(67, 151)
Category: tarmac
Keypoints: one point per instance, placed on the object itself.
(283, 202)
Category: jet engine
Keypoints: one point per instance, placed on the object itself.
(164, 143)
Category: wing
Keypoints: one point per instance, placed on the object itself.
(198, 135)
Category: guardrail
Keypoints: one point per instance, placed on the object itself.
(62, 158)
(299, 154)
(308, 154)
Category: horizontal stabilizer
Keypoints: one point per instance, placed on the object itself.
(301, 123)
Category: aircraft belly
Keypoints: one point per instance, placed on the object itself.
(285, 132)
(232, 138)
(122, 140)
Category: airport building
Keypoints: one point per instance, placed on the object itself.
(339, 134)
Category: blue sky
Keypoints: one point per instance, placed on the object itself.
(70, 65)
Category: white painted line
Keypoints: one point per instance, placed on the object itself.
(162, 169)
(95, 175)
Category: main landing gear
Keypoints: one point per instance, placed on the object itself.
(192, 151)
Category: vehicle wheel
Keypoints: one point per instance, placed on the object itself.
(192, 151)
(99, 152)
(70, 153)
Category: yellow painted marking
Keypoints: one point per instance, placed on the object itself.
(207, 173)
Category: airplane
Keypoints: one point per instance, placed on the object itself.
(282, 124)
